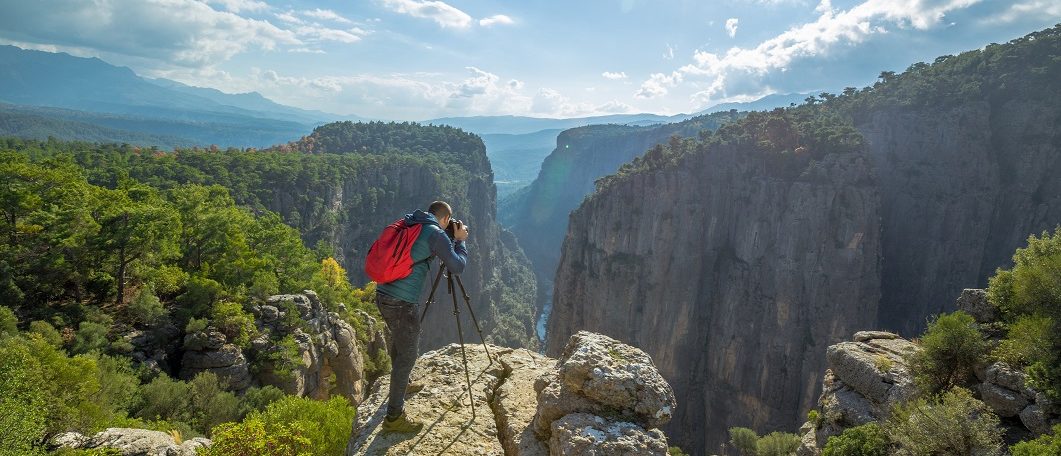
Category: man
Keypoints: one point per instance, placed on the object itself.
(398, 302)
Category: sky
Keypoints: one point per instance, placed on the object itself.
(422, 59)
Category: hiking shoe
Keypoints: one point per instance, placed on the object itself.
(402, 424)
(413, 388)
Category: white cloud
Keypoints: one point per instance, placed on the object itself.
(731, 27)
(613, 75)
(442, 13)
(1018, 10)
(174, 32)
(326, 15)
(319, 33)
(303, 50)
(716, 73)
(289, 17)
(497, 19)
(237, 6)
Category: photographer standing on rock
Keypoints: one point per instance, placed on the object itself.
(398, 299)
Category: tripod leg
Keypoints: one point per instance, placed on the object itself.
(468, 303)
(431, 297)
(460, 337)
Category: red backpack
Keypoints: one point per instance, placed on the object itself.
(390, 257)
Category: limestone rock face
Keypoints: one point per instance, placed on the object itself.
(508, 410)
(132, 442)
(209, 352)
(735, 280)
(326, 344)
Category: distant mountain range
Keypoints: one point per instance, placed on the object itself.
(46, 94)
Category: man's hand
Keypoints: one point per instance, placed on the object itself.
(460, 233)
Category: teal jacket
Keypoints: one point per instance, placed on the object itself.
(432, 241)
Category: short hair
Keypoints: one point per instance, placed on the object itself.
(440, 209)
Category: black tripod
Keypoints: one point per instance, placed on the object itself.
(456, 314)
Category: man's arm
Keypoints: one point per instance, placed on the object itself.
(453, 254)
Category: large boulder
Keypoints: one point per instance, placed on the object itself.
(602, 376)
(973, 301)
(132, 442)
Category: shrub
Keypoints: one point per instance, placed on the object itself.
(865, 440)
(90, 336)
(1024, 341)
(777, 444)
(200, 403)
(234, 322)
(196, 325)
(8, 321)
(299, 425)
(953, 423)
(256, 399)
(1045, 445)
(744, 440)
(47, 333)
(950, 347)
(676, 451)
(145, 307)
(1029, 296)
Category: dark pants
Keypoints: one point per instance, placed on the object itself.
(403, 345)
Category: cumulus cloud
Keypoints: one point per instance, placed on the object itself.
(181, 32)
(613, 75)
(716, 73)
(326, 15)
(1018, 10)
(497, 19)
(445, 15)
(731, 27)
(237, 6)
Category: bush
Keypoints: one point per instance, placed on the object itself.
(8, 321)
(1045, 445)
(47, 333)
(300, 425)
(777, 444)
(200, 403)
(234, 322)
(950, 348)
(256, 399)
(145, 307)
(953, 423)
(744, 440)
(866, 440)
(1024, 341)
(1029, 297)
(90, 337)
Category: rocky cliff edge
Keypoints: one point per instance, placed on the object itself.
(600, 397)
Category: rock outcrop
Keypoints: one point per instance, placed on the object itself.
(131, 442)
(735, 278)
(613, 399)
(326, 346)
(868, 376)
(864, 379)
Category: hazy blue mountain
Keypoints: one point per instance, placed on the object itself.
(254, 101)
(42, 123)
(116, 98)
(763, 104)
(484, 125)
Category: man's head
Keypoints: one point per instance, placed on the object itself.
(442, 213)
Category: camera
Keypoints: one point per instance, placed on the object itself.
(453, 227)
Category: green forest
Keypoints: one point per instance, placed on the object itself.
(101, 240)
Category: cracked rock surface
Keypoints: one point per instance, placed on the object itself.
(604, 375)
